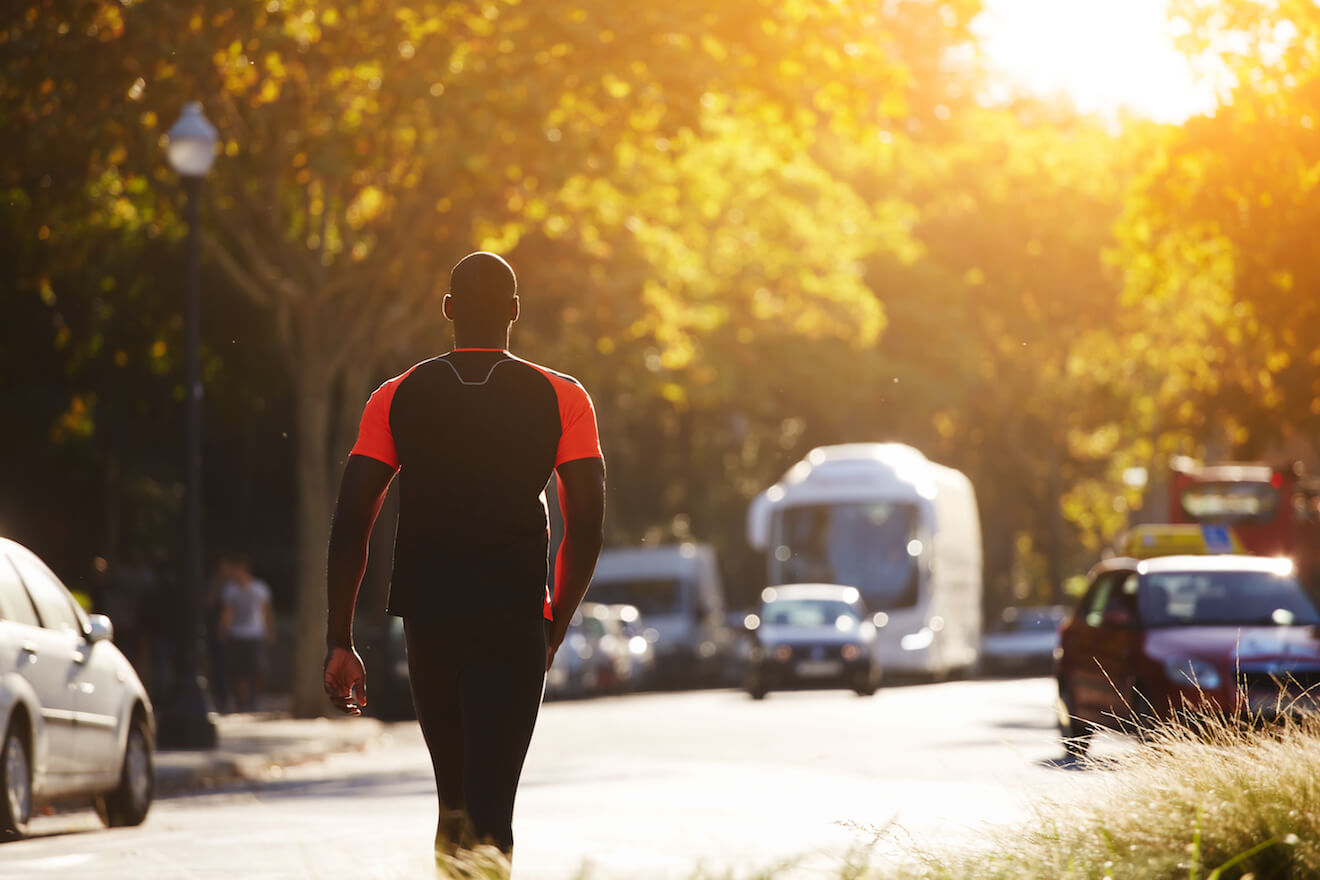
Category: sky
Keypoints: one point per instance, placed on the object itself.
(1104, 54)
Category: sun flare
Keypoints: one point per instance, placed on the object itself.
(1104, 55)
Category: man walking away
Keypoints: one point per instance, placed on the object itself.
(474, 435)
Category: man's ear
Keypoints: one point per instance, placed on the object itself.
(514, 309)
(447, 306)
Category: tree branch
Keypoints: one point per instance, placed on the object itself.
(256, 257)
(231, 267)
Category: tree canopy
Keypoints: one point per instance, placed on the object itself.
(748, 227)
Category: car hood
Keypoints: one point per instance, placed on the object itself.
(1237, 644)
(803, 635)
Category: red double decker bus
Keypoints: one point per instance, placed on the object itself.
(1270, 511)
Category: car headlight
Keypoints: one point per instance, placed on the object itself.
(1191, 672)
(918, 640)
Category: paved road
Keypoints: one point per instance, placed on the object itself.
(648, 786)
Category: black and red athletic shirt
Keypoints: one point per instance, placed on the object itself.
(475, 435)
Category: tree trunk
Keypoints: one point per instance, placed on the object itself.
(1053, 592)
(312, 390)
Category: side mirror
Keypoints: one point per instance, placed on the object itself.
(99, 629)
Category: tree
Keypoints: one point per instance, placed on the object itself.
(1218, 238)
(368, 144)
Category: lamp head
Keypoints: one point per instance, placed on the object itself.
(192, 142)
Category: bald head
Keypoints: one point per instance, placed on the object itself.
(483, 294)
(483, 275)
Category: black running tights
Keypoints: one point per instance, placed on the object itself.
(477, 691)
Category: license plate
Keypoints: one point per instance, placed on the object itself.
(819, 668)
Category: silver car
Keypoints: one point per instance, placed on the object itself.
(75, 717)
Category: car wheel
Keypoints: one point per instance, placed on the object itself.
(755, 684)
(16, 776)
(864, 685)
(1076, 733)
(129, 802)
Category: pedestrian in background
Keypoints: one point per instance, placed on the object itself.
(212, 611)
(247, 629)
(475, 435)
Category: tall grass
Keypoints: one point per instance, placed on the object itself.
(1210, 799)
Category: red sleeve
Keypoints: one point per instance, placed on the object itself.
(551, 602)
(375, 440)
(577, 417)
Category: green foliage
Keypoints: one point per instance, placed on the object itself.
(1218, 237)
(749, 227)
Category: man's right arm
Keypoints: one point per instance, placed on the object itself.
(582, 501)
(361, 494)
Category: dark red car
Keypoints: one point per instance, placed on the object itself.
(1152, 637)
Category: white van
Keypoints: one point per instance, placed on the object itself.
(903, 530)
(678, 591)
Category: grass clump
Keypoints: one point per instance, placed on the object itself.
(1210, 799)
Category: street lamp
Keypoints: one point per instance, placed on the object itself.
(185, 722)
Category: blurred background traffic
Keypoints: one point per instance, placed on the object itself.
(752, 231)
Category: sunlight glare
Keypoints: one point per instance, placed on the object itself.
(1105, 55)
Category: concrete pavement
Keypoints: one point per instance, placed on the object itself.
(256, 746)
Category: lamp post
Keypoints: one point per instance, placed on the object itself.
(184, 722)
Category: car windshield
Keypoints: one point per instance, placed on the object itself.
(648, 595)
(868, 545)
(810, 612)
(1225, 598)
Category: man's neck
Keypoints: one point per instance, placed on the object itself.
(463, 340)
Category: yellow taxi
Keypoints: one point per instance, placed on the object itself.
(1164, 539)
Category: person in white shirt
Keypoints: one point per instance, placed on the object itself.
(247, 629)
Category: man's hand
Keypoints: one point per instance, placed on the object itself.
(555, 639)
(345, 680)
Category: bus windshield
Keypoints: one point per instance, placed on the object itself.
(1230, 502)
(868, 545)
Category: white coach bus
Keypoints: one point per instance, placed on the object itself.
(903, 530)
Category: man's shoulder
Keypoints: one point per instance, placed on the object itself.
(549, 372)
(391, 384)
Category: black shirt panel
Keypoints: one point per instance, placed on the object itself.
(476, 434)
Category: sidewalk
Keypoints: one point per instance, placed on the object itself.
(252, 746)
